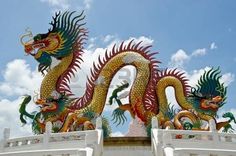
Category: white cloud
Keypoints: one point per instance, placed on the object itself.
(19, 79)
(87, 4)
(58, 4)
(146, 41)
(199, 52)
(213, 46)
(227, 78)
(117, 134)
(171, 99)
(9, 112)
(63, 5)
(195, 75)
(108, 38)
(179, 58)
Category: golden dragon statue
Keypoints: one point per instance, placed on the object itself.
(147, 98)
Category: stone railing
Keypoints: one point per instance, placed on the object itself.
(63, 144)
(192, 143)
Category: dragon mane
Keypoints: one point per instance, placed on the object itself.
(209, 86)
(70, 31)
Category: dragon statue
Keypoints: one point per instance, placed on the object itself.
(65, 43)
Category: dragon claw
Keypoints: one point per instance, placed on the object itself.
(118, 116)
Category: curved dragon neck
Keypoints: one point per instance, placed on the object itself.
(179, 95)
(162, 84)
(170, 81)
(49, 82)
(109, 70)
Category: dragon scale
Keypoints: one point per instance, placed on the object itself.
(49, 83)
(100, 92)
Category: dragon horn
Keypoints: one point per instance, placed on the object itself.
(27, 34)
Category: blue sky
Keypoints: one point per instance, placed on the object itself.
(191, 35)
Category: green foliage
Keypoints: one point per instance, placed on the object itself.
(197, 124)
(171, 112)
(187, 125)
(106, 127)
(148, 129)
(89, 113)
(35, 125)
(55, 129)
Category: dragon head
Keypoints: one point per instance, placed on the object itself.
(64, 38)
(53, 104)
(46, 105)
(42, 47)
(210, 93)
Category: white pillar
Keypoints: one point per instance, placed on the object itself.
(155, 123)
(6, 133)
(212, 125)
(99, 122)
(99, 146)
(167, 143)
(6, 136)
(46, 135)
(169, 151)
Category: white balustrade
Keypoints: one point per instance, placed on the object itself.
(68, 143)
(192, 143)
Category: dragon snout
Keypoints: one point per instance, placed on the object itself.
(217, 99)
(28, 48)
(40, 102)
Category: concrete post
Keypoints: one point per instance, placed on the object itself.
(99, 122)
(167, 143)
(212, 126)
(91, 138)
(169, 151)
(6, 136)
(6, 133)
(155, 123)
(46, 135)
(48, 128)
(99, 147)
